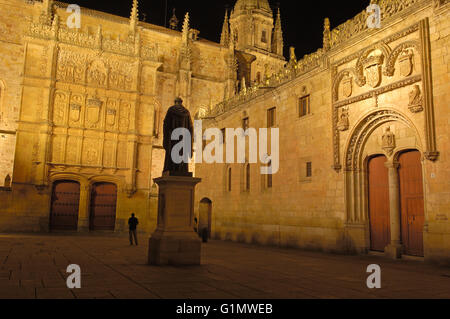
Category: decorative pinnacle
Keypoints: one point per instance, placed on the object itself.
(134, 11)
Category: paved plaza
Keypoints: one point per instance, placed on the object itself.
(34, 266)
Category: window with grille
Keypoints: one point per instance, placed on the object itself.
(304, 106)
(309, 169)
(264, 36)
(245, 123)
(271, 117)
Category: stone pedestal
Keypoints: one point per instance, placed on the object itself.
(174, 242)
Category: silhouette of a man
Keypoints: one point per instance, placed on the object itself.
(133, 222)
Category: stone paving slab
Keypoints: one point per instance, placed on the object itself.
(34, 266)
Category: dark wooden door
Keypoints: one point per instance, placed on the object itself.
(380, 230)
(412, 202)
(65, 204)
(103, 206)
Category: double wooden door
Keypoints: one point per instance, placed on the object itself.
(411, 203)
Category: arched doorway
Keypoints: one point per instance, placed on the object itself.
(411, 202)
(103, 207)
(205, 216)
(65, 204)
(378, 181)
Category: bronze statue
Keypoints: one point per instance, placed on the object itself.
(177, 117)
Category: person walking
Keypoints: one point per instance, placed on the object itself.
(133, 222)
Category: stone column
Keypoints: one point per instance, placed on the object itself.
(395, 248)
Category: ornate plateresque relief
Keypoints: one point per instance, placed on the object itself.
(377, 62)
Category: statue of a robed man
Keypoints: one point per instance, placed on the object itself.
(177, 117)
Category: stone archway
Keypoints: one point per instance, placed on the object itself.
(385, 132)
(205, 216)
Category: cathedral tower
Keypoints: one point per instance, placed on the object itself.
(252, 26)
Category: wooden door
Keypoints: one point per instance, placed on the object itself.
(380, 230)
(65, 204)
(103, 206)
(412, 202)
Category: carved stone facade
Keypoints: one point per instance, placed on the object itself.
(381, 92)
(87, 105)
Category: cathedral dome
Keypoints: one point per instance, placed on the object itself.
(252, 4)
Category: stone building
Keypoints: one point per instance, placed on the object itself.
(363, 126)
(363, 143)
(81, 106)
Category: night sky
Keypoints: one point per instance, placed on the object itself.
(302, 23)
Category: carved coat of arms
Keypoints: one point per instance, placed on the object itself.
(93, 111)
(111, 117)
(373, 70)
(347, 86)
(75, 110)
(406, 63)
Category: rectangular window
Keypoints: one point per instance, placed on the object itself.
(304, 106)
(269, 181)
(229, 179)
(271, 117)
(245, 124)
(224, 135)
(264, 37)
(309, 169)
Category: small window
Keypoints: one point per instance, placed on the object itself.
(203, 140)
(304, 106)
(229, 179)
(264, 36)
(246, 123)
(271, 117)
(224, 136)
(156, 114)
(308, 169)
(270, 176)
(247, 177)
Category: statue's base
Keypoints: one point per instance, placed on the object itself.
(179, 174)
(171, 248)
(174, 242)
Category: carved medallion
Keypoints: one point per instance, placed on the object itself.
(347, 86)
(406, 63)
